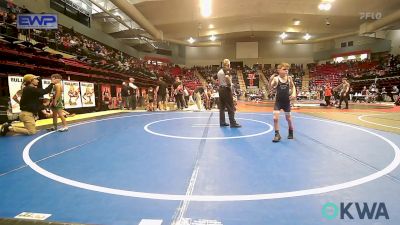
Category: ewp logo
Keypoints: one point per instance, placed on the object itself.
(37, 21)
(331, 211)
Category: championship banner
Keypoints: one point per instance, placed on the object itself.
(106, 98)
(72, 94)
(88, 95)
(15, 88)
(45, 84)
(251, 77)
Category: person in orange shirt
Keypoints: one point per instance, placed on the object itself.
(328, 94)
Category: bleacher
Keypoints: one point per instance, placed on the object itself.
(360, 73)
(42, 53)
(334, 72)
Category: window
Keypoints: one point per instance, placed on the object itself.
(351, 57)
(364, 56)
(339, 59)
(63, 7)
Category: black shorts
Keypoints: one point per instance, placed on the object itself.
(282, 105)
(162, 97)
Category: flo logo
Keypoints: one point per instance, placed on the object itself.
(356, 210)
(370, 15)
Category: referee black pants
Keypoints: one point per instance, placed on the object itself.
(344, 98)
(180, 102)
(226, 101)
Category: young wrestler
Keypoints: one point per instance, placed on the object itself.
(285, 91)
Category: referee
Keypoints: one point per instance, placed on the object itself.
(225, 96)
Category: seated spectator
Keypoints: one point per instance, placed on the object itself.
(45, 111)
(11, 18)
(394, 93)
(3, 16)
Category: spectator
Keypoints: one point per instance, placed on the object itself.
(178, 93)
(161, 93)
(30, 105)
(394, 93)
(125, 96)
(133, 89)
(198, 93)
(328, 94)
(150, 99)
(186, 96)
(45, 110)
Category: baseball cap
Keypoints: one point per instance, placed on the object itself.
(30, 77)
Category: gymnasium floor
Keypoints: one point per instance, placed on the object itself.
(181, 168)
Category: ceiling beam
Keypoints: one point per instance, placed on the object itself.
(132, 12)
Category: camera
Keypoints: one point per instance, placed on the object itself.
(327, 23)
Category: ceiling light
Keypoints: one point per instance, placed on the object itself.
(296, 22)
(307, 36)
(205, 8)
(191, 40)
(325, 6)
(328, 6)
(283, 35)
(213, 38)
(211, 26)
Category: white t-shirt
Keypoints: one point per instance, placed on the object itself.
(132, 86)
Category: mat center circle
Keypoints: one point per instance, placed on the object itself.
(197, 125)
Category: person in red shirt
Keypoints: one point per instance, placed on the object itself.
(328, 94)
